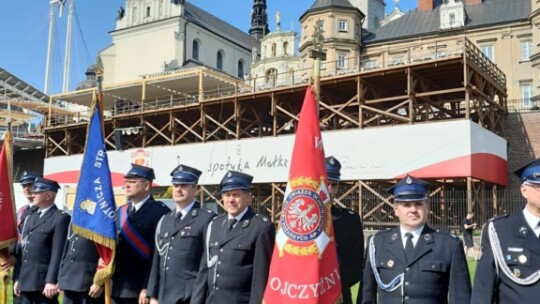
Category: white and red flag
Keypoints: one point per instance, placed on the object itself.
(304, 267)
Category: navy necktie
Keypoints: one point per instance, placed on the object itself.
(409, 247)
(231, 224)
(131, 210)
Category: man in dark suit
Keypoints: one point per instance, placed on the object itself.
(179, 242)
(77, 270)
(413, 263)
(508, 270)
(238, 249)
(349, 234)
(27, 182)
(137, 222)
(43, 239)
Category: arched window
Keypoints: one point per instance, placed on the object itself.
(285, 48)
(195, 50)
(240, 68)
(219, 60)
(271, 75)
(274, 49)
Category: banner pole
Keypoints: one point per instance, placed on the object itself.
(107, 291)
(4, 290)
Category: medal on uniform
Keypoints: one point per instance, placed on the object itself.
(390, 263)
(522, 259)
(183, 232)
(517, 273)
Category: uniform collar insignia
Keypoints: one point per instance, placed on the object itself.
(394, 236)
(523, 230)
(245, 223)
(194, 212)
(427, 237)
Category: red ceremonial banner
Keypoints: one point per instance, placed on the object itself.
(304, 267)
(8, 221)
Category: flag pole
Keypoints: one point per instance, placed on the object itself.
(99, 100)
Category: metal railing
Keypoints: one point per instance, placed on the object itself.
(523, 105)
(430, 52)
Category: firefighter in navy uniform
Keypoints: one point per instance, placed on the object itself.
(27, 182)
(508, 270)
(413, 263)
(349, 234)
(77, 270)
(137, 221)
(238, 249)
(43, 239)
(179, 242)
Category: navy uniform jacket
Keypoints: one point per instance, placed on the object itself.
(41, 249)
(349, 235)
(436, 274)
(243, 259)
(521, 251)
(131, 268)
(178, 255)
(79, 264)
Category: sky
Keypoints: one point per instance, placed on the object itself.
(24, 27)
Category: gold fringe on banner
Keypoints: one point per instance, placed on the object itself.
(102, 274)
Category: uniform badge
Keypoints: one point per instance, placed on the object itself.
(523, 230)
(180, 168)
(522, 259)
(409, 180)
(517, 273)
(229, 174)
(183, 232)
(390, 263)
(245, 223)
(515, 249)
(166, 234)
(427, 237)
(394, 236)
(194, 212)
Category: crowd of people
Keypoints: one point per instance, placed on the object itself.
(192, 255)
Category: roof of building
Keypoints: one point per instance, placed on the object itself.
(320, 5)
(214, 24)
(420, 23)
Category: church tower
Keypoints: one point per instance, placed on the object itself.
(259, 20)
